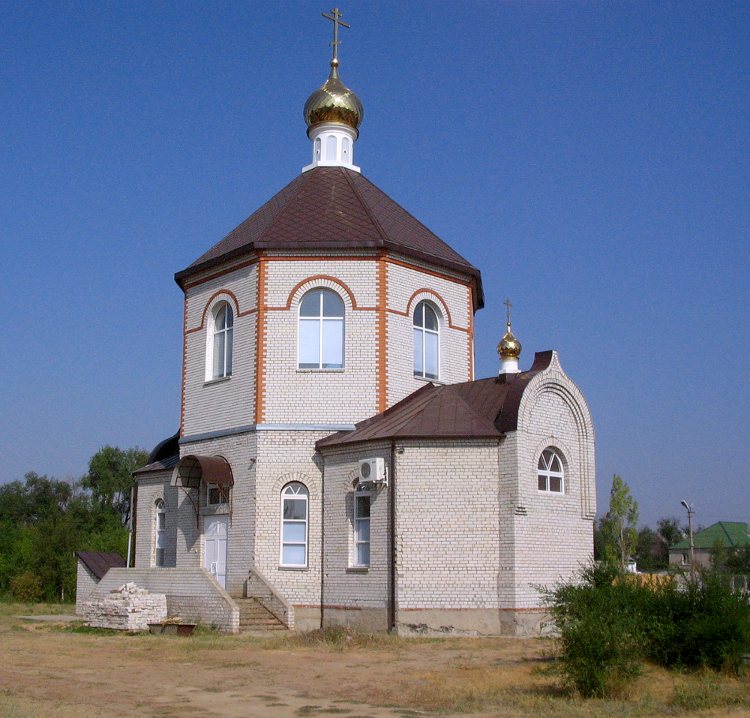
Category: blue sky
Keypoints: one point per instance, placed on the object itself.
(591, 158)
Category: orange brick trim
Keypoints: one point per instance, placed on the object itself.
(470, 344)
(261, 341)
(318, 278)
(221, 273)
(184, 364)
(323, 258)
(440, 301)
(432, 272)
(382, 346)
(235, 301)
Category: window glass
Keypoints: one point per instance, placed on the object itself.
(161, 534)
(310, 305)
(426, 342)
(430, 319)
(362, 529)
(321, 330)
(332, 305)
(550, 472)
(294, 512)
(333, 343)
(295, 508)
(294, 533)
(221, 353)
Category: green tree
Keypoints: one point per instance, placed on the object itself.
(620, 535)
(110, 478)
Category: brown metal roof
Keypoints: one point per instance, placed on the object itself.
(334, 208)
(484, 408)
(99, 562)
(211, 469)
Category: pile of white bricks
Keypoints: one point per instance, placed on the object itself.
(127, 608)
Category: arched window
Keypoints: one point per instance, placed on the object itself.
(362, 529)
(321, 330)
(426, 342)
(219, 349)
(550, 472)
(160, 529)
(294, 525)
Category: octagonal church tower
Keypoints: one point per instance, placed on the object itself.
(327, 305)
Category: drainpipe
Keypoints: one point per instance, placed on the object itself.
(392, 537)
(322, 539)
(130, 524)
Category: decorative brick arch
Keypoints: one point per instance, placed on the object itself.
(323, 281)
(432, 296)
(225, 295)
(553, 380)
(313, 490)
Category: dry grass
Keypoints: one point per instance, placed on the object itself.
(53, 671)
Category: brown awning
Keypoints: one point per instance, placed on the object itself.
(191, 470)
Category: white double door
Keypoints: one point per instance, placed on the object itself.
(215, 547)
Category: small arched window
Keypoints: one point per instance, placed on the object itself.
(551, 476)
(426, 342)
(294, 525)
(321, 330)
(220, 336)
(160, 530)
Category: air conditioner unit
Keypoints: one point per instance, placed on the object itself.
(372, 470)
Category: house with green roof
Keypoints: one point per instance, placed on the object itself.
(728, 534)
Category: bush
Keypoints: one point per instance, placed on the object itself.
(609, 624)
(26, 587)
(701, 624)
(601, 637)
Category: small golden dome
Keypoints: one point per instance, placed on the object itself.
(509, 347)
(334, 102)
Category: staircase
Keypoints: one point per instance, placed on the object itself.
(256, 618)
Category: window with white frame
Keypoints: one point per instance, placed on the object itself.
(361, 529)
(426, 342)
(220, 340)
(294, 499)
(321, 330)
(217, 495)
(550, 472)
(160, 526)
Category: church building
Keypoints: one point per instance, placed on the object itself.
(336, 461)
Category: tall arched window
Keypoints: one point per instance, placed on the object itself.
(321, 330)
(294, 525)
(220, 342)
(550, 472)
(160, 530)
(426, 342)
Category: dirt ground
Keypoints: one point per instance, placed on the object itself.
(50, 669)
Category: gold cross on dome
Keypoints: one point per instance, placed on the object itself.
(508, 305)
(335, 17)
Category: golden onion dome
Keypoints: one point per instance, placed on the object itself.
(334, 102)
(509, 347)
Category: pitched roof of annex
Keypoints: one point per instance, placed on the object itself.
(729, 534)
(484, 408)
(334, 208)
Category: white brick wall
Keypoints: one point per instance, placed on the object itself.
(295, 395)
(231, 402)
(453, 299)
(152, 487)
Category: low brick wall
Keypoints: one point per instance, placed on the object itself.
(127, 608)
(191, 594)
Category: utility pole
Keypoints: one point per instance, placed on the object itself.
(690, 511)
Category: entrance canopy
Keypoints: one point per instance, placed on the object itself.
(191, 469)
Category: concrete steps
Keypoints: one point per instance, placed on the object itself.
(254, 617)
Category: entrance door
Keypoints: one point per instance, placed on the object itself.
(215, 553)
